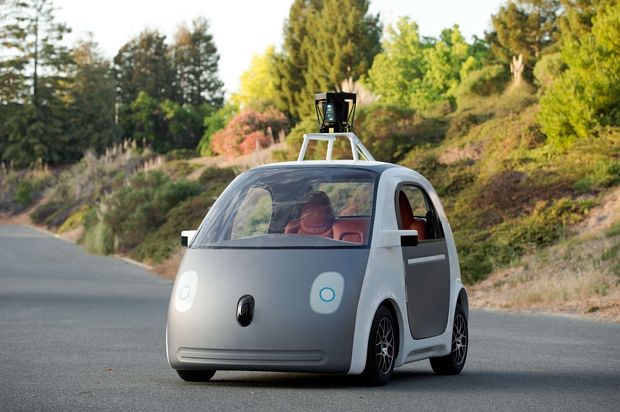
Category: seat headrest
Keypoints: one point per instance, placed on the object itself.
(317, 214)
(406, 213)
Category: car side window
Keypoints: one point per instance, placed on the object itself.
(416, 212)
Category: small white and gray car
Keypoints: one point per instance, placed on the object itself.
(344, 266)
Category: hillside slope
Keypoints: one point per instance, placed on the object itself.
(579, 275)
(518, 208)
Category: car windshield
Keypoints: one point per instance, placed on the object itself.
(292, 207)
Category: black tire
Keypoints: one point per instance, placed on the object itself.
(382, 349)
(453, 363)
(196, 376)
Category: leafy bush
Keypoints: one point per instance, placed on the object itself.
(248, 129)
(76, 219)
(214, 123)
(88, 181)
(19, 189)
(606, 173)
(98, 236)
(295, 138)
(159, 245)
(387, 131)
(546, 224)
(214, 180)
(587, 94)
(548, 69)
(140, 207)
(483, 250)
(485, 81)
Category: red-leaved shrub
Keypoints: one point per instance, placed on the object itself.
(248, 129)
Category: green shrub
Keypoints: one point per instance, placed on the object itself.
(46, 211)
(486, 81)
(139, 208)
(98, 236)
(613, 230)
(545, 225)
(178, 169)
(76, 219)
(548, 69)
(295, 138)
(24, 193)
(387, 131)
(214, 180)
(182, 154)
(587, 94)
(159, 244)
(606, 173)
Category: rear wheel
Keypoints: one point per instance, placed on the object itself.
(382, 348)
(196, 376)
(453, 363)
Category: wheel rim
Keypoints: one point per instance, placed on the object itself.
(384, 345)
(459, 339)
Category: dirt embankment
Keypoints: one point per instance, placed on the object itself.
(578, 276)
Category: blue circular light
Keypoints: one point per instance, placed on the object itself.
(327, 294)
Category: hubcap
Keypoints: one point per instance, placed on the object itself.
(459, 339)
(384, 345)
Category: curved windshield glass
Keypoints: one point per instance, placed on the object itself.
(292, 207)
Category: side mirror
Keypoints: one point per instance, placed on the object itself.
(398, 238)
(187, 236)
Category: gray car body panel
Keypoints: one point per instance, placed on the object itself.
(286, 334)
(428, 288)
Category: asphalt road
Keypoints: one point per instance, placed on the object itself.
(87, 332)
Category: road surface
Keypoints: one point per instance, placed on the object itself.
(82, 332)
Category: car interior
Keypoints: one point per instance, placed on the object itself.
(318, 219)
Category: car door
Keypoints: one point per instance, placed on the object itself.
(427, 268)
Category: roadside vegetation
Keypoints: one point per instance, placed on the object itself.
(520, 135)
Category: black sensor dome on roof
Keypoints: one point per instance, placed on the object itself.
(335, 111)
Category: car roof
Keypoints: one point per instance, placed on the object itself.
(375, 166)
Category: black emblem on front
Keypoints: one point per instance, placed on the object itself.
(245, 310)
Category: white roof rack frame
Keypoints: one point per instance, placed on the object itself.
(357, 147)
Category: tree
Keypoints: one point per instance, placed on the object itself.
(92, 100)
(416, 73)
(524, 27)
(196, 60)
(14, 56)
(448, 61)
(144, 65)
(213, 123)
(587, 95)
(576, 19)
(396, 73)
(325, 43)
(342, 45)
(185, 123)
(257, 84)
(292, 63)
(36, 79)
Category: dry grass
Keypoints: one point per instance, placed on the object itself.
(578, 276)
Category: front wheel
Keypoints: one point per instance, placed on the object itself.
(453, 363)
(382, 348)
(196, 376)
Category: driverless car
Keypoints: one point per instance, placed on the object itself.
(343, 266)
